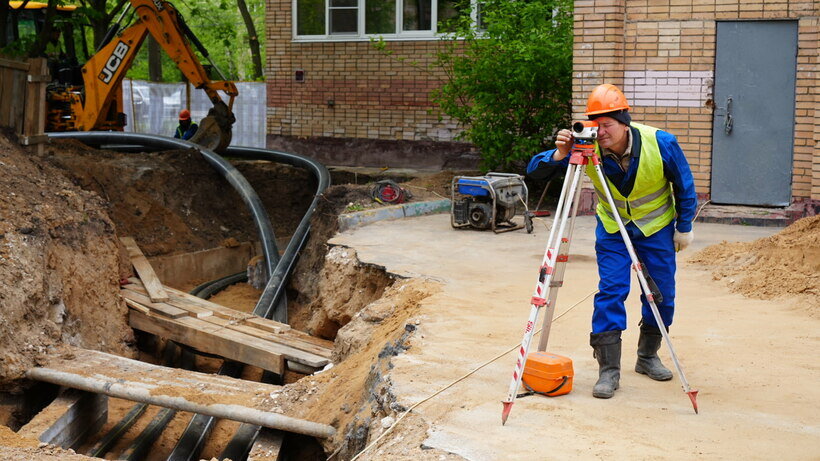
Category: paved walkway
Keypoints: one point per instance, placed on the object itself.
(753, 361)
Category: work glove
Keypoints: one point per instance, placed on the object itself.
(683, 239)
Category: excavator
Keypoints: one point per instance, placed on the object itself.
(93, 99)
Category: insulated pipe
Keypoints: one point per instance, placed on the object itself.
(269, 300)
(222, 166)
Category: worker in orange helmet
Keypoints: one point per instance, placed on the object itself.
(654, 192)
(186, 128)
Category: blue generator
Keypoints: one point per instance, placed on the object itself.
(488, 202)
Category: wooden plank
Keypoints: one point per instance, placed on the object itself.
(183, 269)
(283, 348)
(212, 395)
(319, 352)
(161, 308)
(35, 102)
(194, 311)
(69, 419)
(137, 306)
(6, 97)
(18, 110)
(149, 279)
(187, 301)
(207, 338)
(268, 446)
(19, 65)
(287, 336)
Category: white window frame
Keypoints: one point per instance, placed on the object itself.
(361, 36)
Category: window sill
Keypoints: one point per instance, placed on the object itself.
(359, 38)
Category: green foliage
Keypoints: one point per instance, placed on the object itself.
(219, 26)
(509, 84)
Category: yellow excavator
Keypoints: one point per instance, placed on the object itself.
(93, 99)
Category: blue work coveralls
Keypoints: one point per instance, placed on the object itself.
(657, 251)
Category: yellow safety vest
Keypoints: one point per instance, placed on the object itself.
(650, 204)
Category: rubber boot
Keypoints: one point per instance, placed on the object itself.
(607, 349)
(648, 361)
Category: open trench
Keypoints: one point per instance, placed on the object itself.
(367, 312)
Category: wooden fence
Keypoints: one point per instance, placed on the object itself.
(23, 99)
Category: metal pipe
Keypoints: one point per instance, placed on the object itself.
(219, 410)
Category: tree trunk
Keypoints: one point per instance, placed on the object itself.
(253, 39)
(38, 48)
(154, 60)
(5, 9)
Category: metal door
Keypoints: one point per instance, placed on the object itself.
(753, 128)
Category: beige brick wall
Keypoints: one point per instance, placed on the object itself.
(672, 43)
(351, 90)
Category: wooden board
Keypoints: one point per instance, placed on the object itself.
(207, 338)
(149, 279)
(230, 325)
(212, 395)
(144, 301)
(268, 446)
(69, 419)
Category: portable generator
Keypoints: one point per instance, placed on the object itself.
(488, 202)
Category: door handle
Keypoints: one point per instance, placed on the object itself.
(728, 124)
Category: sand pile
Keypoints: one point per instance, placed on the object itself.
(785, 264)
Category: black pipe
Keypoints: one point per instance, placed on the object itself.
(190, 444)
(269, 302)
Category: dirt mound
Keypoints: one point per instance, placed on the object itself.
(787, 263)
(60, 267)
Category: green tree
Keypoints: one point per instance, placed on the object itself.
(509, 82)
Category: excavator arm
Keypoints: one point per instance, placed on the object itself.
(103, 74)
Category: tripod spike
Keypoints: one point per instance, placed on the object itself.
(505, 412)
(693, 396)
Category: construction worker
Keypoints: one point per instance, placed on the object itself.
(651, 183)
(186, 128)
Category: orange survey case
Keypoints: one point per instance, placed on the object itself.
(548, 374)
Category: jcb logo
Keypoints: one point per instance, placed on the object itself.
(114, 62)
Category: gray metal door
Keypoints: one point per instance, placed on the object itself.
(753, 128)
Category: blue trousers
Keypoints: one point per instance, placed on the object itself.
(614, 270)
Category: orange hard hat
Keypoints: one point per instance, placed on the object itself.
(606, 98)
(185, 114)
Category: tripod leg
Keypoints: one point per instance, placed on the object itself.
(545, 276)
(639, 270)
(560, 266)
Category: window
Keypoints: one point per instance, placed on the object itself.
(362, 19)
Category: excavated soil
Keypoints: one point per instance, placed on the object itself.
(785, 264)
(62, 261)
(60, 264)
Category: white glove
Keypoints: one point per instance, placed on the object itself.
(683, 239)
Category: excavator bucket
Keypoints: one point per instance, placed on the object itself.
(215, 130)
(211, 136)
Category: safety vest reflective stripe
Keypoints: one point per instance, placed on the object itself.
(647, 219)
(646, 199)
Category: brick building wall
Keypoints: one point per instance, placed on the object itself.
(357, 105)
(662, 54)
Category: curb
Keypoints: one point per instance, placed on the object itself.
(406, 210)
